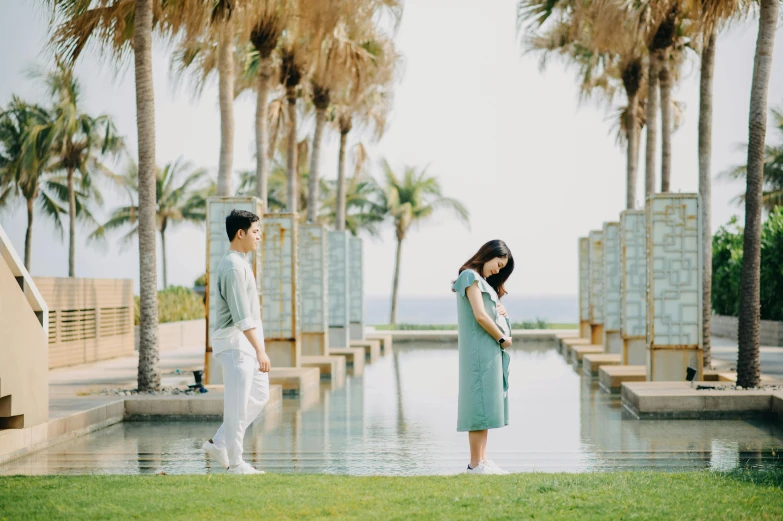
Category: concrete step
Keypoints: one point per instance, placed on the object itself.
(295, 380)
(385, 338)
(207, 406)
(371, 347)
(612, 377)
(354, 357)
(567, 343)
(593, 361)
(578, 352)
(332, 367)
(679, 400)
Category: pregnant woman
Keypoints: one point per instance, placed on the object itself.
(484, 335)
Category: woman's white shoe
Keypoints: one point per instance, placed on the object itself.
(481, 468)
(219, 455)
(493, 467)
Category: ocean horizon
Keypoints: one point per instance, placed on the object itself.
(443, 309)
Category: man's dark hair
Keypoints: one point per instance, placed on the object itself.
(239, 220)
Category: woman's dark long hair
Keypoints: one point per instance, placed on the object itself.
(486, 253)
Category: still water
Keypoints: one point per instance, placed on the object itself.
(399, 418)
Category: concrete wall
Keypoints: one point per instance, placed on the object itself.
(89, 319)
(178, 334)
(771, 331)
(24, 380)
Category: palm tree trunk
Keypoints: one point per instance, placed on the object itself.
(291, 162)
(705, 189)
(226, 96)
(651, 117)
(339, 214)
(163, 255)
(396, 283)
(28, 236)
(749, 305)
(632, 153)
(665, 79)
(148, 375)
(315, 159)
(262, 132)
(71, 223)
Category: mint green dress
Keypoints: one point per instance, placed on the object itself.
(483, 365)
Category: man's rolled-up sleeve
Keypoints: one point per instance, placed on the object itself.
(237, 300)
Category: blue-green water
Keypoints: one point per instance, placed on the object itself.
(399, 418)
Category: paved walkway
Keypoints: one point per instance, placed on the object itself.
(724, 355)
(122, 372)
(70, 388)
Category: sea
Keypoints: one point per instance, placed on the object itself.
(443, 309)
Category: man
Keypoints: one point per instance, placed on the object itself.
(238, 344)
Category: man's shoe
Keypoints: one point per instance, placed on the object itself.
(219, 455)
(244, 468)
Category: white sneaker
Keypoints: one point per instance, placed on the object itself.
(494, 468)
(219, 455)
(244, 468)
(481, 468)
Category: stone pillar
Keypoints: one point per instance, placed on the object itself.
(674, 286)
(313, 284)
(584, 287)
(613, 341)
(356, 303)
(281, 306)
(339, 289)
(218, 209)
(633, 261)
(597, 287)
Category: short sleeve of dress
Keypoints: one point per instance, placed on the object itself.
(465, 280)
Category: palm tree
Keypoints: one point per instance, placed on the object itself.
(368, 105)
(181, 197)
(772, 194)
(364, 211)
(658, 20)
(410, 199)
(264, 37)
(79, 140)
(23, 167)
(748, 330)
(606, 59)
(339, 61)
(122, 26)
(711, 14)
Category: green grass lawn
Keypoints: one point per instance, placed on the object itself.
(620, 495)
(446, 327)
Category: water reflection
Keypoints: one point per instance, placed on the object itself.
(399, 417)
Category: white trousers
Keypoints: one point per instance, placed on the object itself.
(246, 392)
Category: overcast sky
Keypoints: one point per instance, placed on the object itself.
(510, 141)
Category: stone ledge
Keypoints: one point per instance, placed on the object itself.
(678, 400)
(611, 377)
(79, 416)
(567, 344)
(578, 352)
(386, 339)
(207, 406)
(83, 417)
(592, 362)
(295, 380)
(354, 357)
(371, 347)
(332, 367)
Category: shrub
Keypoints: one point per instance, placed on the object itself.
(176, 303)
(727, 267)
